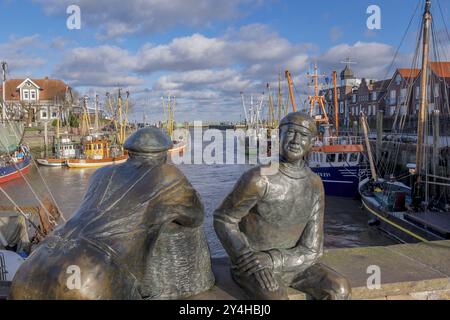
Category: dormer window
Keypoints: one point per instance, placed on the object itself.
(32, 94)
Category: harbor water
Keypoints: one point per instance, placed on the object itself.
(345, 222)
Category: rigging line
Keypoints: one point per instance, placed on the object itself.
(21, 211)
(40, 175)
(443, 20)
(437, 52)
(391, 164)
(49, 216)
(401, 42)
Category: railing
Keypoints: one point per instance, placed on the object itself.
(348, 140)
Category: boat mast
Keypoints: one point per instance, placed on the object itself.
(96, 126)
(272, 122)
(423, 93)
(368, 146)
(316, 99)
(336, 107)
(4, 66)
(245, 109)
(280, 98)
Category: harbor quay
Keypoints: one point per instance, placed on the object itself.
(405, 272)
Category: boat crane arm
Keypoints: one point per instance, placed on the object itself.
(291, 91)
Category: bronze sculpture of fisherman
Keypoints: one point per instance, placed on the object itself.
(137, 235)
(271, 225)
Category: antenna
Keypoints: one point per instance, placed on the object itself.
(348, 61)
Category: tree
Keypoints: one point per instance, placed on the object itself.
(73, 120)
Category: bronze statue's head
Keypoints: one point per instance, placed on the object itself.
(148, 143)
(297, 131)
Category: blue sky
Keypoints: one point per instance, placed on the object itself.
(203, 51)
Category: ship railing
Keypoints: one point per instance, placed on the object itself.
(347, 140)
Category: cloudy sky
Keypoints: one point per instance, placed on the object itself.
(204, 52)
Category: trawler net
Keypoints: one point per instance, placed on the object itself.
(10, 137)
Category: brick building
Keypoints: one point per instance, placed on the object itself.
(397, 96)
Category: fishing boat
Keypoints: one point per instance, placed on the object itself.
(336, 158)
(97, 152)
(416, 210)
(178, 137)
(62, 150)
(15, 157)
(255, 130)
(99, 149)
(14, 165)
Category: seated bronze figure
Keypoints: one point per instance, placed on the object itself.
(272, 225)
(137, 235)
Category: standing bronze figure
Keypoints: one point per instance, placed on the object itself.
(137, 235)
(272, 225)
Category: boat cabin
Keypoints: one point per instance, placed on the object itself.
(96, 149)
(337, 152)
(342, 159)
(66, 149)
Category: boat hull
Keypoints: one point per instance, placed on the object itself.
(341, 181)
(12, 172)
(398, 228)
(93, 163)
(52, 162)
(397, 224)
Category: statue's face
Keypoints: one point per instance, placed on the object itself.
(295, 142)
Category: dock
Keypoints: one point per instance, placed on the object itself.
(408, 272)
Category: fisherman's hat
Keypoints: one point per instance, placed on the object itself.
(300, 119)
(148, 140)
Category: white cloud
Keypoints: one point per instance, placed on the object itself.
(99, 66)
(21, 54)
(372, 58)
(116, 18)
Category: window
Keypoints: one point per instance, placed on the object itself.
(44, 115)
(402, 95)
(393, 97)
(54, 114)
(354, 98)
(26, 94)
(373, 96)
(32, 94)
(403, 110)
(417, 93)
(342, 157)
(353, 157)
(436, 90)
(341, 107)
(331, 157)
(391, 111)
(398, 79)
